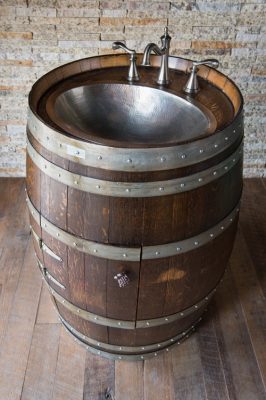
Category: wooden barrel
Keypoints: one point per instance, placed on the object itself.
(132, 242)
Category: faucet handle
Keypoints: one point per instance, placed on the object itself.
(192, 85)
(133, 72)
(121, 45)
(166, 39)
(211, 62)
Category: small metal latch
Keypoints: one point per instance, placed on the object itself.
(122, 279)
(44, 247)
(47, 275)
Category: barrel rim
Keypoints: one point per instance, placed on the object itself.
(134, 160)
(105, 62)
(134, 189)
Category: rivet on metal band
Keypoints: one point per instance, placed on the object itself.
(139, 324)
(148, 159)
(107, 352)
(173, 249)
(133, 254)
(86, 246)
(133, 189)
(126, 350)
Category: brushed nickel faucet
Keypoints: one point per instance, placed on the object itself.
(192, 85)
(163, 78)
(132, 72)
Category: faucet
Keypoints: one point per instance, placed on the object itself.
(192, 85)
(163, 78)
(133, 72)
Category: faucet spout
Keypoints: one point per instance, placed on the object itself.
(147, 53)
(163, 78)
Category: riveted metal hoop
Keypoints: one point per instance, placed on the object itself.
(134, 189)
(173, 249)
(142, 159)
(124, 350)
(133, 254)
(131, 357)
(86, 246)
(122, 324)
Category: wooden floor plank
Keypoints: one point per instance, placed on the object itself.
(14, 235)
(10, 191)
(240, 366)
(158, 378)
(252, 300)
(18, 335)
(69, 374)
(253, 224)
(99, 377)
(187, 370)
(47, 313)
(129, 382)
(10, 268)
(212, 368)
(40, 373)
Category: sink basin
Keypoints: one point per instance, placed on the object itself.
(124, 113)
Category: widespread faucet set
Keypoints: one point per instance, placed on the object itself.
(191, 86)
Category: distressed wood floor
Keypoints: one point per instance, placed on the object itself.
(225, 359)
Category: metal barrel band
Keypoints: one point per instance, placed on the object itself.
(133, 189)
(183, 246)
(139, 324)
(132, 357)
(124, 350)
(44, 247)
(135, 159)
(134, 254)
(86, 246)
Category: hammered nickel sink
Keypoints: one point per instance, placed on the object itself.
(133, 114)
(133, 190)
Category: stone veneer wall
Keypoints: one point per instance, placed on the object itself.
(38, 35)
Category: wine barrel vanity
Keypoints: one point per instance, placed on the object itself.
(133, 191)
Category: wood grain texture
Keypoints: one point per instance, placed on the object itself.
(158, 378)
(129, 382)
(224, 358)
(105, 371)
(253, 223)
(187, 371)
(17, 336)
(243, 379)
(47, 314)
(213, 373)
(43, 358)
(69, 377)
(253, 301)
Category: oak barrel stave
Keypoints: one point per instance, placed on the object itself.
(159, 288)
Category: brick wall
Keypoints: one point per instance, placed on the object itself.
(38, 35)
